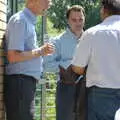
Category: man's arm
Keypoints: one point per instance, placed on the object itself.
(16, 37)
(52, 65)
(82, 54)
(52, 62)
(78, 70)
(14, 56)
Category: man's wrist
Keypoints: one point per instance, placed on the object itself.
(37, 52)
(40, 52)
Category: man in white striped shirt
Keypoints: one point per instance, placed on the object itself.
(99, 50)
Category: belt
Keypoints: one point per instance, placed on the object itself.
(21, 75)
(71, 82)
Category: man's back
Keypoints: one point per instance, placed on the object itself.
(103, 44)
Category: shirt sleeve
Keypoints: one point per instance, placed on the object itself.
(16, 35)
(83, 51)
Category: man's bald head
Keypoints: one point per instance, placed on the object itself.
(38, 6)
(29, 1)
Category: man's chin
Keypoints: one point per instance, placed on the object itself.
(78, 30)
(42, 13)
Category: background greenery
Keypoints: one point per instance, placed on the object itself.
(56, 15)
(57, 12)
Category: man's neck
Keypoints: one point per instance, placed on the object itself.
(31, 8)
(78, 34)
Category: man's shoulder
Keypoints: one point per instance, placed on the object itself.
(94, 30)
(102, 27)
(61, 37)
(18, 17)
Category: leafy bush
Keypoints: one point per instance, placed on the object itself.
(57, 12)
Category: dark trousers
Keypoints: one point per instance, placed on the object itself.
(19, 93)
(71, 101)
(102, 103)
(65, 101)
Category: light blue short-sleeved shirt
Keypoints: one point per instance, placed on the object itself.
(21, 36)
(65, 45)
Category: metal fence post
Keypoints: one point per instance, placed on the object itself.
(43, 86)
(43, 102)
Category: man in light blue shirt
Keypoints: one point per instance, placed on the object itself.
(24, 62)
(65, 45)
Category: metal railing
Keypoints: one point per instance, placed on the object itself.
(45, 99)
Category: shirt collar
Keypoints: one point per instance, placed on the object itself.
(71, 33)
(31, 16)
(112, 18)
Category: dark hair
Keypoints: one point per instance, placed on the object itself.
(76, 8)
(113, 6)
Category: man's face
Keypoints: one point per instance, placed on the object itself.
(41, 6)
(76, 21)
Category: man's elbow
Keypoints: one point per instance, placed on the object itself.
(78, 70)
(11, 59)
(12, 56)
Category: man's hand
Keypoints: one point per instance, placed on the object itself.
(46, 49)
(79, 70)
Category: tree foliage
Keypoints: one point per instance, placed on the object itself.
(57, 12)
(92, 9)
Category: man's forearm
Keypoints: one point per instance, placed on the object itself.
(20, 56)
